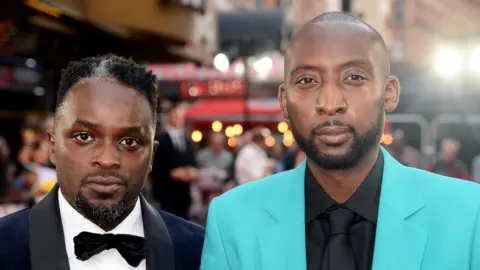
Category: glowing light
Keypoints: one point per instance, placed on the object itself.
(282, 127)
(217, 126)
(288, 135)
(287, 143)
(386, 139)
(475, 60)
(448, 62)
(221, 62)
(232, 142)
(197, 136)
(229, 131)
(270, 141)
(238, 129)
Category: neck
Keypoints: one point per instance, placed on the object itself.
(341, 184)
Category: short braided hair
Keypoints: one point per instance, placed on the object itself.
(122, 70)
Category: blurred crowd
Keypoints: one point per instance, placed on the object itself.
(186, 178)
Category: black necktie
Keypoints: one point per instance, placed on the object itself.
(132, 248)
(339, 252)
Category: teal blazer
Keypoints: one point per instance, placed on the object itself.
(425, 221)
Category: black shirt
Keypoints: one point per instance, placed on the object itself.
(364, 203)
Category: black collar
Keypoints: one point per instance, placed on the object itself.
(364, 201)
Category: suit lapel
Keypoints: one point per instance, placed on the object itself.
(282, 243)
(399, 243)
(47, 243)
(159, 245)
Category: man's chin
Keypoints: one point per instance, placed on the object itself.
(102, 201)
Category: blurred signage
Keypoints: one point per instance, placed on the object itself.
(18, 77)
(212, 88)
(198, 5)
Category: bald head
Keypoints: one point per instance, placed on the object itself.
(338, 23)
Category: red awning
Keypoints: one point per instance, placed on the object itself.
(217, 109)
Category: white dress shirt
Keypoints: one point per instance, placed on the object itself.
(251, 164)
(177, 136)
(74, 223)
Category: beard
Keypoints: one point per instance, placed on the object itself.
(361, 146)
(104, 216)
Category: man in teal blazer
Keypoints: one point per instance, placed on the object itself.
(350, 205)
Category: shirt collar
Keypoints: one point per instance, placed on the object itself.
(364, 201)
(173, 131)
(74, 223)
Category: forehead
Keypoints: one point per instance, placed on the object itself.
(333, 43)
(106, 102)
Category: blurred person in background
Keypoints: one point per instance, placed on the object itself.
(174, 166)
(276, 153)
(294, 157)
(447, 162)
(404, 153)
(102, 145)
(215, 154)
(350, 205)
(4, 164)
(241, 141)
(476, 169)
(252, 162)
(213, 163)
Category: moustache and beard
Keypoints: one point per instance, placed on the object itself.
(106, 216)
(362, 144)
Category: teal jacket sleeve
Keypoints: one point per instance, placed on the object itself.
(475, 258)
(214, 256)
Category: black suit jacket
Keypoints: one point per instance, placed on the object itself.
(33, 239)
(167, 157)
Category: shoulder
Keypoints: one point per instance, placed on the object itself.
(438, 187)
(252, 194)
(182, 232)
(187, 240)
(181, 227)
(14, 243)
(14, 224)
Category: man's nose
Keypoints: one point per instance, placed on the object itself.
(330, 100)
(107, 157)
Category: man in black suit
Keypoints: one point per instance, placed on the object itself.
(174, 165)
(103, 147)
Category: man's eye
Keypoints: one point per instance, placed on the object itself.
(356, 78)
(83, 137)
(129, 143)
(305, 80)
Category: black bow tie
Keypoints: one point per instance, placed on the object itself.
(132, 248)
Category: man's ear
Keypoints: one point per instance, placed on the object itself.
(392, 94)
(51, 148)
(282, 99)
(155, 146)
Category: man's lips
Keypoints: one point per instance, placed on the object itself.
(333, 135)
(104, 184)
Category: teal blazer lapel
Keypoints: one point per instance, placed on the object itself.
(399, 243)
(282, 243)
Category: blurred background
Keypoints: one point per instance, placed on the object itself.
(219, 63)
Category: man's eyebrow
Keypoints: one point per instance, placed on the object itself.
(126, 129)
(84, 123)
(133, 129)
(302, 67)
(358, 62)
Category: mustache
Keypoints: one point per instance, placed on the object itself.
(331, 123)
(105, 174)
